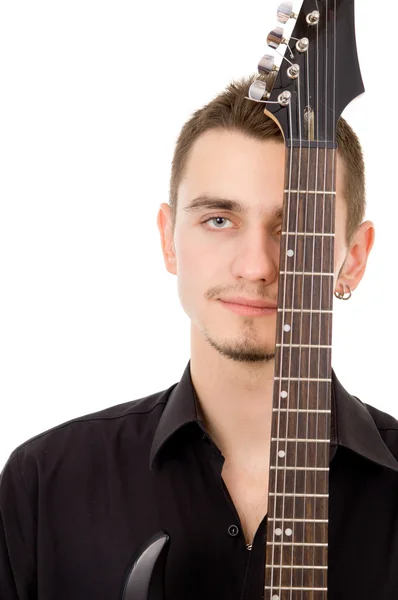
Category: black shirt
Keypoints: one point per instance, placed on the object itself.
(77, 502)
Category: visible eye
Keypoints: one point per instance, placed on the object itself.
(215, 219)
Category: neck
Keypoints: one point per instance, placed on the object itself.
(235, 399)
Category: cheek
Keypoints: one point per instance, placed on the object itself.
(192, 267)
(200, 268)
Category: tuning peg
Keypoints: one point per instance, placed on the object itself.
(258, 90)
(285, 12)
(275, 38)
(302, 44)
(313, 18)
(266, 65)
(293, 71)
(284, 98)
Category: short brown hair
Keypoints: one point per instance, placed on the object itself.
(232, 111)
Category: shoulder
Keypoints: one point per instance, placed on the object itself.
(134, 418)
(383, 420)
(387, 426)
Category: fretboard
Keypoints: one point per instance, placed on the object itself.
(297, 529)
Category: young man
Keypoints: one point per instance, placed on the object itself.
(77, 502)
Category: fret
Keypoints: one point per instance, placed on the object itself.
(301, 379)
(295, 582)
(309, 589)
(300, 495)
(309, 273)
(301, 410)
(296, 590)
(304, 310)
(282, 583)
(309, 192)
(278, 467)
(307, 233)
(303, 345)
(296, 567)
(272, 543)
(297, 440)
(287, 521)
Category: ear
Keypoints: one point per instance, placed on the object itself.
(165, 227)
(357, 255)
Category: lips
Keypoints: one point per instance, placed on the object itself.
(249, 302)
(241, 307)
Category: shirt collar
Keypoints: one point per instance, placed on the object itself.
(356, 429)
(352, 424)
(180, 409)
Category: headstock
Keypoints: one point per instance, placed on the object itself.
(319, 74)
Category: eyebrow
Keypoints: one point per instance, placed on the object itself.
(218, 203)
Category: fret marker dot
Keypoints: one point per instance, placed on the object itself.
(288, 531)
(286, 327)
(275, 597)
(281, 454)
(283, 394)
(278, 531)
(290, 252)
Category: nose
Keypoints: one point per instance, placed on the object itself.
(257, 257)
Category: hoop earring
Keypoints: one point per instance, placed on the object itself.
(341, 296)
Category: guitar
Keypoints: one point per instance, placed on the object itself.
(317, 78)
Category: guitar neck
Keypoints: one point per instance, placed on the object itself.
(297, 529)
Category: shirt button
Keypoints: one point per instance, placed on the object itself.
(233, 530)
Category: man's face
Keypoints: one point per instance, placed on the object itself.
(222, 253)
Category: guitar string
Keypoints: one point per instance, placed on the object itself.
(331, 206)
(288, 383)
(331, 282)
(298, 389)
(292, 323)
(302, 269)
(301, 330)
(271, 528)
(320, 300)
(323, 240)
(319, 321)
(315, 473)
(310, 328)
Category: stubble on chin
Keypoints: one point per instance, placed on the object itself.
(244, 352)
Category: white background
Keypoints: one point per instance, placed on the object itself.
(92, 98)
